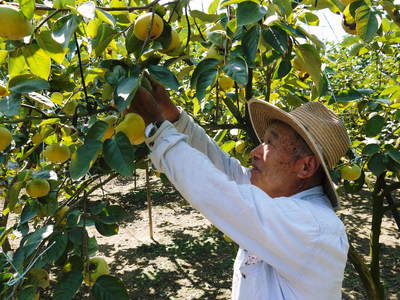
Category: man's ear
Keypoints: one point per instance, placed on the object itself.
(307, 166)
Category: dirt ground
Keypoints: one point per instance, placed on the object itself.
(188, 259)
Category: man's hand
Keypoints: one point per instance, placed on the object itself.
(161, 96)
(146, 106)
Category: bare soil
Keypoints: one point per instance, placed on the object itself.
(188, 259)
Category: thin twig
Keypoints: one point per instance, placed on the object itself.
(173, 11)
(189, 28)
(198, 28)
(61, 117)
(89, 106)
(129, 8)
(46, 19)
(34, 108)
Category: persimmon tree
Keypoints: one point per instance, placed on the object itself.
(67, 83)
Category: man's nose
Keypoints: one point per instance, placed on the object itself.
(257, 152)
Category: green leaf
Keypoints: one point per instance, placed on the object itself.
(367, 23)
(50, 46)
(83, 158)
(249, 12)
(64, 29)
(228, 146)
(106, 229)
(24, 84)
(283, 69)
(3, 56)
(63, 3)
(133, 44)
(27, 7)
(28, 212)
(112, 214)
(203, 66)
(370, 149)
(285, 6)
(354, 186)
(395, 155)
(105, 34)
(28, 293)
(348, 96)
(206, 18)
(16, 63)
(237, 69)
(213, 7)
(217, 37)
(105, 17)
(310, 61)
(10, 105)
(165, 76)
(125, 91)
(374, 126)
(119, 155)
(250, 43)
(38, 61)
(87, 9)
(309, 18)
(204, 81)
(108, 287)
(56, 247)
(92, 247)
(96, 131)
(276, 38)
(68, 285)
(36, 237)
(377, 164)
(78, 235)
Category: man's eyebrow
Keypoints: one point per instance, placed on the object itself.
(274, 134)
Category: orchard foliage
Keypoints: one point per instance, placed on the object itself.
(70, 80)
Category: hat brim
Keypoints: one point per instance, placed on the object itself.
(263, 113)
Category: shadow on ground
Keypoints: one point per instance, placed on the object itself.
(199, 266)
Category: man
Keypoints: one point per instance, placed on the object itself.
(280, 211)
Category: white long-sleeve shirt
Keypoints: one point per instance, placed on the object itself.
(290, 247)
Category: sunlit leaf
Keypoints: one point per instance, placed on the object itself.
(105, 17)
(27, 7)
(87, 9)
(105, 34)
(125, 91)
(38, 61)
(64, 29)
(366, 23)
(51, 47)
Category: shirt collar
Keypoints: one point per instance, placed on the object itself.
(316, 190)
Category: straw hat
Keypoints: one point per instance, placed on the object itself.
(320, 128)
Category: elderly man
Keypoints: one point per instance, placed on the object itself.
(280, 212)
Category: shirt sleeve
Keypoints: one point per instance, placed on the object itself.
(198, 139)
(275, 231)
